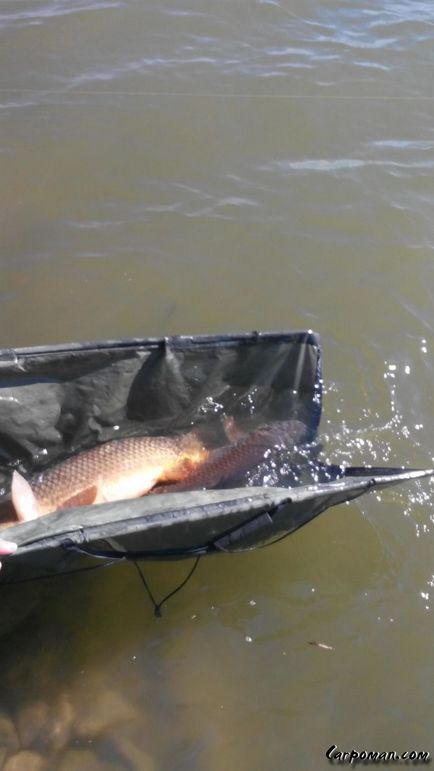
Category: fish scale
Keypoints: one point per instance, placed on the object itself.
(120, 468)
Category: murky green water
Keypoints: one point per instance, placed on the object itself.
(203, 167)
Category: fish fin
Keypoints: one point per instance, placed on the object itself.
(84, 498)
(191, 442)
(182, 469)
(233, 432)
(23, 498)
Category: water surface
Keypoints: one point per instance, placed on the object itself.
(200, 167)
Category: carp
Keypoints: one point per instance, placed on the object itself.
(115, 470)
(132, 467)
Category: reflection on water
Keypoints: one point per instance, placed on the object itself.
(172, 168)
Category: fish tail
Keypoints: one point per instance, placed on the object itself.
(23, 498)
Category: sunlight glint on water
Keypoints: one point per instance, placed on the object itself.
(192, 168)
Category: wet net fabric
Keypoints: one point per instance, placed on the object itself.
(57, 401)
(60, 400)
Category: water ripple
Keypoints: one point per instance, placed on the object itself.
(49, 10)
(324, 45)
(336, 164)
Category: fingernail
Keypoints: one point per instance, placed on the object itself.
(7, 547)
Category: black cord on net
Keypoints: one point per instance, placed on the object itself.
(110, 563)
(158, 605)
(122, 558)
